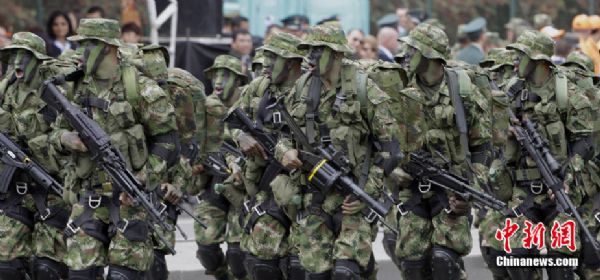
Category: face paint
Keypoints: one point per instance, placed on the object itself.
(280, 70)
(224, 83)
(325, 61)
(415, 61)
(525, 65)
(24, 63)
(314, 58)
(93, 54)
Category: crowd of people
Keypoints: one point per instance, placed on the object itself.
(310, 141)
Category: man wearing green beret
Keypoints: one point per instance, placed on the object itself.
(214, 209)
(32, 218)
(441, 218)
(105, 226)
(340, 108)
(565, 117)
(265, 237)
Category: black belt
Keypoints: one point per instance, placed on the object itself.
(12, 205)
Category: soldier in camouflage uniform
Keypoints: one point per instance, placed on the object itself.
(32, 219)
(214, 209)
(105, 227)
(440, 218)
(258, 62)
(564, 116)
(185, 91)
(266, 226)
(579, 68)
(344, 109)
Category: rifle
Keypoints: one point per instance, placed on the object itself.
(12, 155)
(328, 167)
(421, 166)
(101, 149)
(179, 206)
(537, 148)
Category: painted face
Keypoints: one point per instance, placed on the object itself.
(276, 67)
(523, 64)
(414, 59)
(24, 63)
(155, 65)
(94, 52)
(321, 58)
(224, 83)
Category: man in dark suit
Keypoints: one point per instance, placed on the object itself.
(387, 38)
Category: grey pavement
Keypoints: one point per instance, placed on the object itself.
(185, 266)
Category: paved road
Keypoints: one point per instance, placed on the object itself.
(185, 266)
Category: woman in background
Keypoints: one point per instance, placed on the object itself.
(59, 27)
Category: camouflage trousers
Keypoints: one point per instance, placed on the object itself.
(589, 264)
(85, 251)
(319, 247)
(267, 240)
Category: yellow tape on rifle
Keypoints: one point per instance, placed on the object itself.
(314, 171)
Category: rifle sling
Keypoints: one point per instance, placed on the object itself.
(312, 107)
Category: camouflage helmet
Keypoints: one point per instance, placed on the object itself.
(105, 30)
(258, 59)
(228, 62)
(501, 58)
(535, 44)
(328, 35)
(26, 41)
(284, 45)
(541, 20)
(431, 41)
(580, 60)
(153, 47)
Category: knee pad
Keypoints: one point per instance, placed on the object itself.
(117, 272)
(489, 256)
(86, 274)
(346, 270)
(262, 269)
(15, 269)
(560, 273)
(210, 256)
(445, 264)
(235, 260)
(414, 269)
(159, 270)
(325, 275)
(47, 269)
(588, 255)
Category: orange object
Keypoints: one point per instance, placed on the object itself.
(589, 48)
(594, 22)
(581, 22)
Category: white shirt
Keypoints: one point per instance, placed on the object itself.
(62, 47)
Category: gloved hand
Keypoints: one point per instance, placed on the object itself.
(400, 177)
(72, 142)
(458, 206)
(197, 169)
(250, 146)
(290, 160)
(351, 207)
(172, 193)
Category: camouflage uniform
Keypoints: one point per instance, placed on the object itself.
(323, 246)
(25, 117)
(444, 235)
(265, 236)
(579, 68)
(214, 209)
(565, 117)
(136, 113)
(185, 91)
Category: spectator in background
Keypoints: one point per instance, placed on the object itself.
(131, 33)
(240, 22)
(562, 49)
(296, 25)
(241, 47)
(387, 39)
(492, 41)
(74, 18)
(368, 48)
(475, 30)
(273, 29)
(582, 26)
(4, 34)
(58, 29)
(595, 29)
(354, 37)
(514, 28)
(95, 12)
(402, 14)
(227, 27)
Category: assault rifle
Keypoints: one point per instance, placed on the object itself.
(328, 167)
(101, 149)
(422, 167)
(12, 156)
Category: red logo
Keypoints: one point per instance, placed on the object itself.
(561, 235)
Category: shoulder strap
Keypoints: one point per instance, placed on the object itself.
(454, 87)
(361, 92)
(561, 92)
(130, 84)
